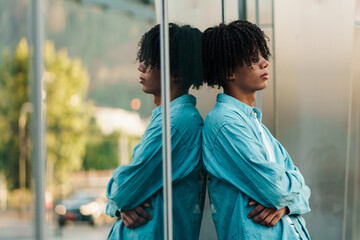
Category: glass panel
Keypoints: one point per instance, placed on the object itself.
(354, 210)
(268, 96)
(313, 101)
(265, 12)
(203, 14)
(96, 109)
(231, 10)
(16, 189)
(251, 10)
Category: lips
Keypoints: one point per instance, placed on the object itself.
(265, 76)
(141, 80)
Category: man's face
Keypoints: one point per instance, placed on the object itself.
(149, 79)
(252, 78)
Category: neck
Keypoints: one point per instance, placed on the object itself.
(245, 97)
(174, 93)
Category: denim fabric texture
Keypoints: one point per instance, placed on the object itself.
(142, 181)
(240, 170)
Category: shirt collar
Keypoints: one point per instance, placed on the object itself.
(249, 111)
(186, 98)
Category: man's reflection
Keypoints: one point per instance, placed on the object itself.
(135, 191)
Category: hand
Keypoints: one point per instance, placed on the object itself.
(265, 216)
(136, 217)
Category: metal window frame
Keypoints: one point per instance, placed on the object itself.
(166, 133)
(223, 14)
(37, 120)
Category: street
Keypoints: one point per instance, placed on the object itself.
(12, 226)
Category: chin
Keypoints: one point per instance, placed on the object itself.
(147, 91)
(263, 86)
(144, 89)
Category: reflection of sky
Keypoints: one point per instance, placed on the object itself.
(134, 8)
(111, 119)
(105, 38)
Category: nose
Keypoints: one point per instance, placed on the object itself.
(142, 67)
(263, 62)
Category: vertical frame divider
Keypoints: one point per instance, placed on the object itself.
(223, 15)
(38, 123)
(166, 134)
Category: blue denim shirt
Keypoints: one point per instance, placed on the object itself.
(240, 169)
(142, 179)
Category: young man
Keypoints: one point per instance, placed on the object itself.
(256, 192)
(135, 191)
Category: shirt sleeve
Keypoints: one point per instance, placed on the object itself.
(242, 161)
(133, 184)
(111, 209)
(301, 203)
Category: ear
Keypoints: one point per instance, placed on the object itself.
(231, 77)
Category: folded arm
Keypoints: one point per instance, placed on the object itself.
(131, 185)
(243, 163)
(301, 204)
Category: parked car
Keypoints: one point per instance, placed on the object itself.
(83, 206)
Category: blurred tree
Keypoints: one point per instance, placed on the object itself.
(67, 112)
(14, 93)
(101, 150)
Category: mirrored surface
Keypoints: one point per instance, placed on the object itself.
(96, 109)
(313, 90)
(16, 188)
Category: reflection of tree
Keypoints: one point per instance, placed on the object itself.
(328, 164)
(67, 113)
(317, 145)
(101, 150)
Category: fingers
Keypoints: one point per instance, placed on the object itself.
(132, 220)
(128, 221)
(267, 220)
(274, 221)
(142, 212)
(273, 217)
(256, 210)
(263, 215)
(278, 215)
(252, 203)
(136, 217)
(123, 218)
(145, 204)
(266, 216)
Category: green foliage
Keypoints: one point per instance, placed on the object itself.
(120, 96)
(101, 150)
(14, 91)
(67, 112)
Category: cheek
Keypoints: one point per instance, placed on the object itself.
(156, 78)
(158, 83)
